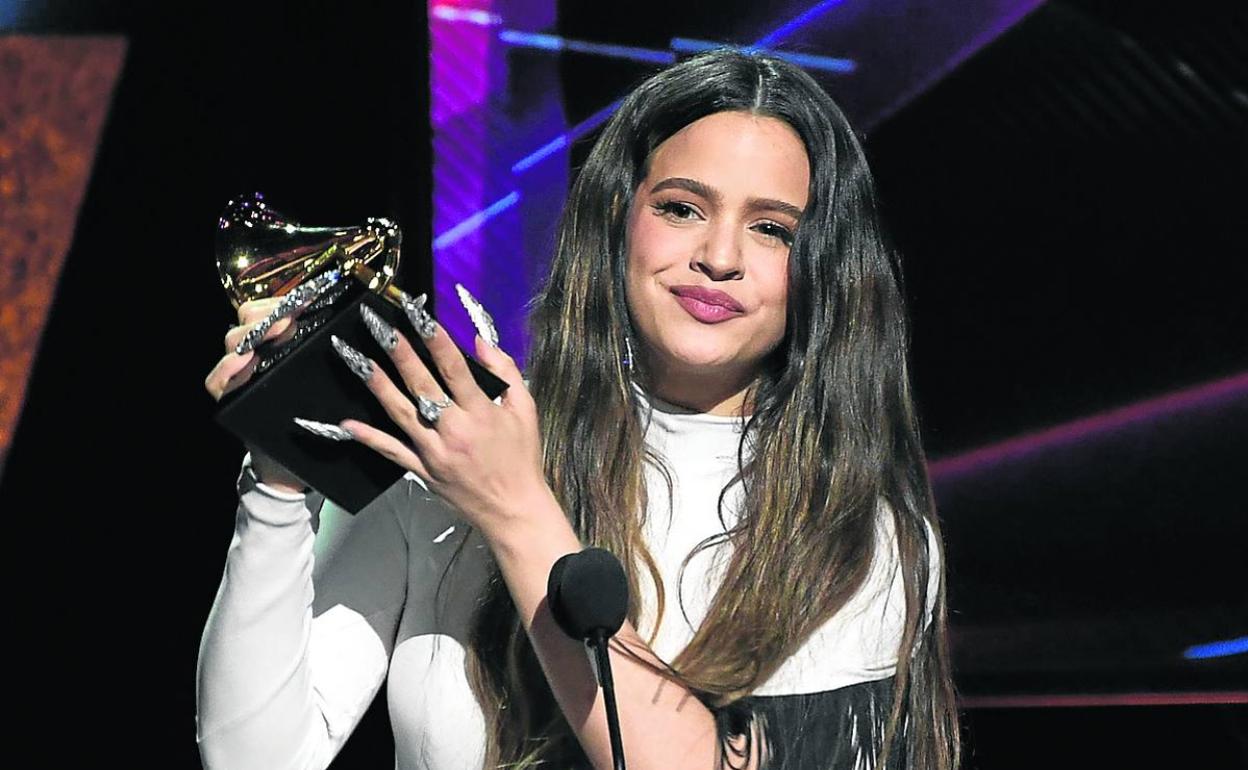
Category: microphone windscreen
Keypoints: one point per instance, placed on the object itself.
(588, 592)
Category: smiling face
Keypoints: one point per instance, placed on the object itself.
(708, 243)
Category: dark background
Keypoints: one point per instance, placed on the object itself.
(1070, 206)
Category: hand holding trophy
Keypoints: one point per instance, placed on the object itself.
(296, 288)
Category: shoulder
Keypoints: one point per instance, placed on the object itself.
(859, 643)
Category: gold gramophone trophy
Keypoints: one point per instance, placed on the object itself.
(261, 253)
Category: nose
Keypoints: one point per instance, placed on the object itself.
(719, 257)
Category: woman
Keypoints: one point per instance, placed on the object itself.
(718, 395)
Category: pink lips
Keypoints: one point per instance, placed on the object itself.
(707, 305)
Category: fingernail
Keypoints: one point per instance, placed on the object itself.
(325, 430)
(291, 302)
(480, 318)
(356, 360)
(383, 332)
(421, 320)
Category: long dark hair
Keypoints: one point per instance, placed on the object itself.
(833, 439)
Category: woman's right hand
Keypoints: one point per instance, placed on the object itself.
(234, 370)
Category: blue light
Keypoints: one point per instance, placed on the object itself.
(784, 31)
(595, 120)
(808, 61)
(689, 45)
(813, 62)
(556, 43)
(531, 39)
(1220, 649)
(561, 141)
(475, 221)
(533, 158)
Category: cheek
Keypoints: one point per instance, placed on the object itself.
(773, 289)
(646, 245)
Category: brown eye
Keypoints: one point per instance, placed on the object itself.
(676, 210)
(773, 230)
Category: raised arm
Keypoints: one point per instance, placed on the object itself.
(300, 634)
(289, 664)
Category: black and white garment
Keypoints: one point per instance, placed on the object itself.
(317, 608)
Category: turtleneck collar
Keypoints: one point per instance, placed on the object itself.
(678, 430)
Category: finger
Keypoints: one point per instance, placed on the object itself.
(499, 363)
(462, 386)
(416, 376)
(242, 376)
(396, 403)
(219, 380)
(289, 305)
(253, 310)
(388, 446)
(281, 331)
(448, 358)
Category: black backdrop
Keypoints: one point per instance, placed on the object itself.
(118, 489)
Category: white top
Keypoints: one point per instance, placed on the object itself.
(317, 607)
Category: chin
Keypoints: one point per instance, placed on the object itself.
(700, 355)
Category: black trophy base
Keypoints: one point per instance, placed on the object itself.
(310, 381)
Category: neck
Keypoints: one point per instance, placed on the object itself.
(709, 394)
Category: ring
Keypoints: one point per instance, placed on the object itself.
(431, 410)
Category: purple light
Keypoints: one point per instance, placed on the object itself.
(1089, 700)
(1020, 447)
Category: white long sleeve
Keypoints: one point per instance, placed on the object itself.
(286, 671)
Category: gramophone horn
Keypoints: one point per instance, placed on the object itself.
(261, 253)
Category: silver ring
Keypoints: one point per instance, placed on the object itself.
(431, 410)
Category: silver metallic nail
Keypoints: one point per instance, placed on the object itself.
(290, 304)
(325, 430)
(421, 320)
(383, 332)
(429, 409)
(480, 318)
(358, 362)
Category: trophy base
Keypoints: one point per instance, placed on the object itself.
(307, 379)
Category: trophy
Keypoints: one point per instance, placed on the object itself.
(261, 253)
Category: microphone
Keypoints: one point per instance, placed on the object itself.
(587, 593)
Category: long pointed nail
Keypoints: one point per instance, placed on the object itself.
(480, 318)
(356, 360)
(325, 430)
(290, 304)
(383, 332)
(424, 324)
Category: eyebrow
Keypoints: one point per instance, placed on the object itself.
(710, 193)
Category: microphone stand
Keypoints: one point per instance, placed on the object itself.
(602, 670)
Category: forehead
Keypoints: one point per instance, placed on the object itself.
(737, 152)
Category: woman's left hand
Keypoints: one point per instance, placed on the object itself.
(482, 457)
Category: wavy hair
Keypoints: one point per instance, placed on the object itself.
(832, 433)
